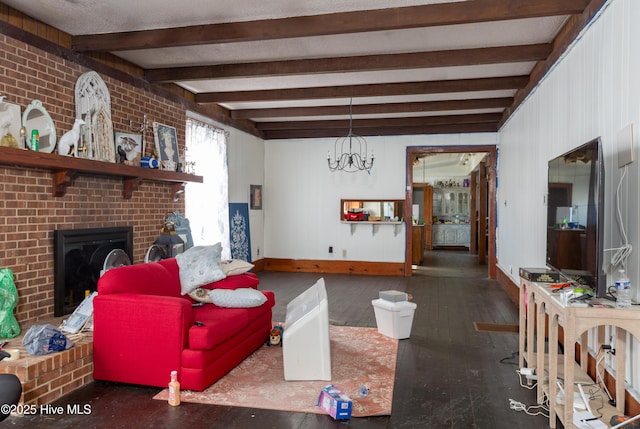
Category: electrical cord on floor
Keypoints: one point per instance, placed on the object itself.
(530, 410)
(526, 386)
(513, 356)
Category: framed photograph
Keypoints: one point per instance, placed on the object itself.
(10, 123)
(166, 146)
(129, 148)
(256, 197)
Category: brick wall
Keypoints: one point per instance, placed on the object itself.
(29, 213)
(48, 377)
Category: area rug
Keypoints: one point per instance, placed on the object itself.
(359, 357)
(495, 327)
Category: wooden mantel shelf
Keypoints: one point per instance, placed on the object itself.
(64, 169)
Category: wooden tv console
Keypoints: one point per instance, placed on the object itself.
(549, 313)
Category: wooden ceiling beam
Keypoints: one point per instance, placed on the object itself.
(560, 44)
(328, 24)
(371, 90)
(372, 109)
(414, 60)
(368, 132)
(419, 121)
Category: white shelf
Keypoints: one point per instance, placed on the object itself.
(599, 405)
(374, 225)
(542, 311)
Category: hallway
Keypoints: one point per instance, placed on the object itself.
(451, 263)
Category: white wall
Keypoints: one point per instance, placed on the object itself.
(246, 167)
(302, 197)
(593, 91)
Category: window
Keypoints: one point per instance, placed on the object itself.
(207, 203)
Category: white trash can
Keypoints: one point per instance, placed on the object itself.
(394, 319)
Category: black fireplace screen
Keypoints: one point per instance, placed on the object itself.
(79, 256)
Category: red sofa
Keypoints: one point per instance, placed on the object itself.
(144, 328)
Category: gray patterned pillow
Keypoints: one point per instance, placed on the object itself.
(199, 266)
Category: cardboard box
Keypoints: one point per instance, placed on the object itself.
(335, 403)
(540, 275)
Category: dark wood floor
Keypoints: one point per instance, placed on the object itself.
(448, 374)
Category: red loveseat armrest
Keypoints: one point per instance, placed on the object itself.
(139, 338)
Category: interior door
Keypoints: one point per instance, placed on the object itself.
(428, 215)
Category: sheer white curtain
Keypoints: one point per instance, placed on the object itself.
(207, 203)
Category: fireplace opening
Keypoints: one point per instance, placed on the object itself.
(79, 256)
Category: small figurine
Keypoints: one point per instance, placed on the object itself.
(275, 336)
(8, 140)
(70, 139)
(122, 155)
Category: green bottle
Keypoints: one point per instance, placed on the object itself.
(35, 140)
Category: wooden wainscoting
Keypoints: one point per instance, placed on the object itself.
(330, 266)
(512, 289)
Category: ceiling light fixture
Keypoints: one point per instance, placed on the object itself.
(350, 161)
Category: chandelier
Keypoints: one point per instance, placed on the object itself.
(350, 161)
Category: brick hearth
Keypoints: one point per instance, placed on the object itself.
(47, 378)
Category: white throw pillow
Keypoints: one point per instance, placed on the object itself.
(235, 267)
(199, 266)
(237, 298)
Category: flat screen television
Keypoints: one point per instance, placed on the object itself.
(575, 211)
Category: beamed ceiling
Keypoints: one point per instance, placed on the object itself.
(292, 68)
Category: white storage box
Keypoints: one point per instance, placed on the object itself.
(394, 319)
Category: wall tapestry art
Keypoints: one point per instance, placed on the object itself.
(240, 237)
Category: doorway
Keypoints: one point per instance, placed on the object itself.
(483, 211)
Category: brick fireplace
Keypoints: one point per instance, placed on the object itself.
(30, 213)
(79, 256)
